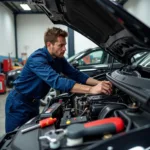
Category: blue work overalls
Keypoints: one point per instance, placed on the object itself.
(40, 73)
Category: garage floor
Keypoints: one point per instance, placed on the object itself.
(2, 112)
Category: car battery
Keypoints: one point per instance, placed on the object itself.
(2, 83)
(54, 111)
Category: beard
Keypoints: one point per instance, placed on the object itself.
(53, 53)
(57, 55)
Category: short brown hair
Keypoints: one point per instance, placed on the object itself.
(52, 34)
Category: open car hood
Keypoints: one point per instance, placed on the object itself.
(107, 24)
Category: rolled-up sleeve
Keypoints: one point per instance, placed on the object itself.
(73, 73)
(43, 70)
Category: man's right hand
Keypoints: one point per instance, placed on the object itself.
(104, 87)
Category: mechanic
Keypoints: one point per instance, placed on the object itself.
(41, 72)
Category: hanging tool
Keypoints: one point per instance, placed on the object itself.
(43, 123)
(76, 132)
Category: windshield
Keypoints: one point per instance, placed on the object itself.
(76, 56)
(72, 57)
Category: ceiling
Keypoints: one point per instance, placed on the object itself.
(14, 6)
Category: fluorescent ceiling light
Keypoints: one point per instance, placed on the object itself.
(25, 7)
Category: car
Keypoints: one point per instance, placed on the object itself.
(93, 61)
(120, 121)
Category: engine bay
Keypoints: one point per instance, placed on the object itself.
(94, 107)
(83, 109)
(84, 120)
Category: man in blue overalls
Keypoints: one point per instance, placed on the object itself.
(40, 73)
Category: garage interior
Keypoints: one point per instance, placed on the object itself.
(21, 33)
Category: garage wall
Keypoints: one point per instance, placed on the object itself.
(82, 43)
(140, 9)
(30, 32)
(7, 35)
(31, 28)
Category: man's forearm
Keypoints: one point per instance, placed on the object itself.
(80, 88)
(100, 87)
(91, 81)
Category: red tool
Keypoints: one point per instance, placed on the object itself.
(43, 123)
(76, 132)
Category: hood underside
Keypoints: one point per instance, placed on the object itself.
(105, 23)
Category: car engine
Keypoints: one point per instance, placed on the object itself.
(88, 121)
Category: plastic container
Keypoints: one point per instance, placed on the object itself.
(7, 65)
